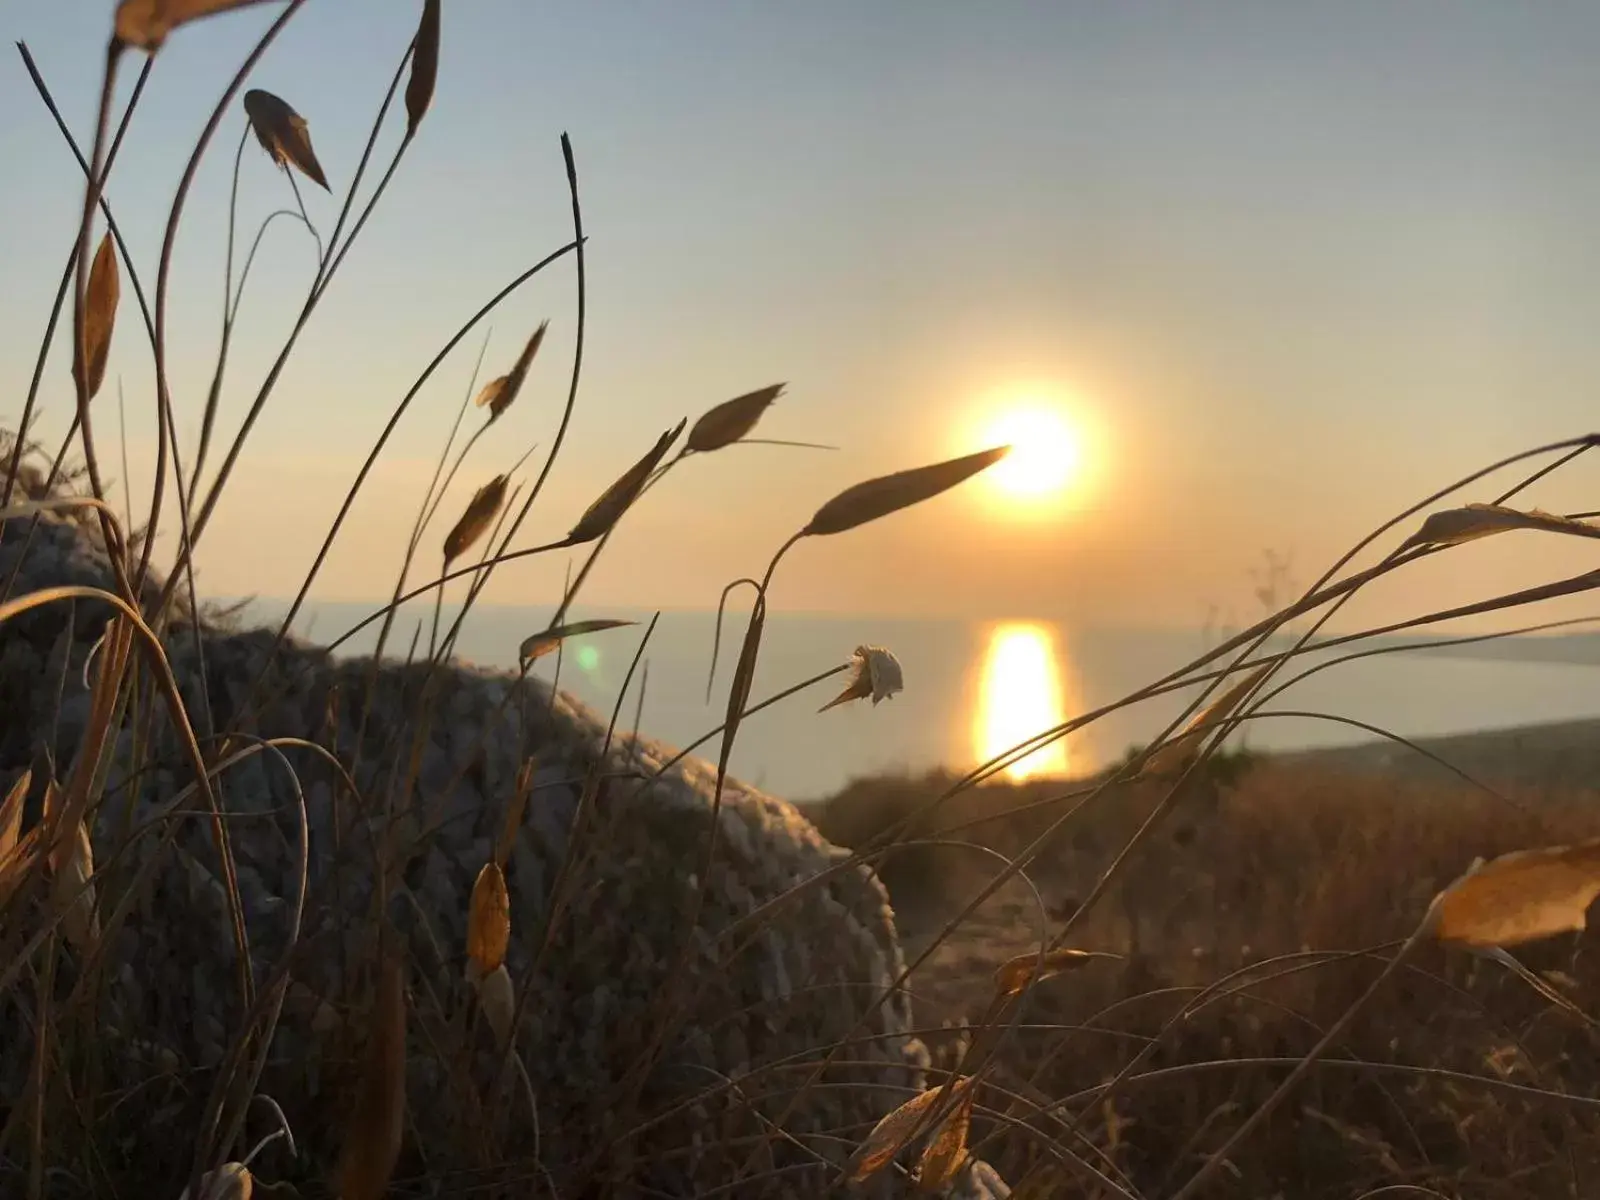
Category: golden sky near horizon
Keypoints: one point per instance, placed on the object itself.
(1252, 281)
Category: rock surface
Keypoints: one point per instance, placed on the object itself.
(434, 758)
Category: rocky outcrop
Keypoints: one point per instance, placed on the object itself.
(433, 758)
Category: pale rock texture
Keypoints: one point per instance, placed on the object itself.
(761, 1018)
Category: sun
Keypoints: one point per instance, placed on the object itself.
(1047, 452)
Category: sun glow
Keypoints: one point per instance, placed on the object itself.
(1047, 453)
(1020, 696)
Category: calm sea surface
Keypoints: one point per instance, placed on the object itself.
(972, 689)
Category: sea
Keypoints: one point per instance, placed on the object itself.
(975, 688)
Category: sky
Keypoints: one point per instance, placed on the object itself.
(1288, 268)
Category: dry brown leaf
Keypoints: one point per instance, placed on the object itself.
(1173, 757)
(499, 1001)
(876, 673)
(424, 66)
(11, 814)
(1011, 976)
(474, 523)
(100, 313)
(79, 920)
(489, 919)
(513, 819)
(540, 644)
(605, 512)
(377, 1117)
(283, 134)
(1521, 896)
(889, 493)
(947, 1149)
(731, 420)
(497, 394)
(146, 23)
(1452, 526)
(890, 1135)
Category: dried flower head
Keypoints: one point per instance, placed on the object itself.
(605, 512)
(875, 673)
(424, 67)
(489, 919)
(731, 420)
(283, 134)
(474, 523)
(100, 314)
(498, 393)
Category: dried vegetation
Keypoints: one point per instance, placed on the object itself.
(1173, 984)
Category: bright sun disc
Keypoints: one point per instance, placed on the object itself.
(1046, 452)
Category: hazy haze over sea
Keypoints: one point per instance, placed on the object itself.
(972, 688)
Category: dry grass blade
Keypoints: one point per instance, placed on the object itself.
(890, 1135)
(1011, 976)
(540, 644)
(11, 814)
(513, 820)
(66, 809)
(75, 892)
(377, 1118)
(1521, 896)
(877, 674)
(146, 23)
(100, 313)
(475, 522)
(498, 998)
(1175, 755)
(889, 493)
(497, 394)
(731, 420)
(488, 920)
(744, 674)
(424, 67)
(283, 134)
(14, 867)
(30, 847)
(600, 516)
(1452, 526)
(947, 1149)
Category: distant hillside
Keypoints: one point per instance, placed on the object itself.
(1561, 756)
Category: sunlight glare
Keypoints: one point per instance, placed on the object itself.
(1046, 452)
(1020, 697)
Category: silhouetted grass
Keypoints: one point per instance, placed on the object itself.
(1333, 1046)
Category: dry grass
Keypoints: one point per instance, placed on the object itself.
(1275, 886)
(1334, 1047)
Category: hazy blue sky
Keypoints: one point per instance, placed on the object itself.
(1294, 265)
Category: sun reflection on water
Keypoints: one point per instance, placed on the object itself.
(1020, 694)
